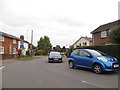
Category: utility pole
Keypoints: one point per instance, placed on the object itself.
(32, 37)
(31, 42)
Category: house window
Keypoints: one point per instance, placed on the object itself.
(1, 50)
(80, 44)
(84, 43)
(1, 38)
(103, 34)
(14, 51)
(14, 41)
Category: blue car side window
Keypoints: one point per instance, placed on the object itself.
(75, 52)
(83, 53)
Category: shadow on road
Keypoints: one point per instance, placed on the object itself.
(89, 70)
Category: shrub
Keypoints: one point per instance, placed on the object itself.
(41, 52)
(112, 50)
(115, 34)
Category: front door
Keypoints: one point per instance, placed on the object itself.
(84, 60)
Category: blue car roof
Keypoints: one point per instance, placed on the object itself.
(84, 49)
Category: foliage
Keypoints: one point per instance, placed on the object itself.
(112, 50)
(41, 52)
(58, 48)
(63, 49)
(115, 35)
(53, 48)
(69, 51)
(44, 44)
(28, 53)
(27, 58)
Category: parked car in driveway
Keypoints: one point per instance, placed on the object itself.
(93, 59)
(54, 57)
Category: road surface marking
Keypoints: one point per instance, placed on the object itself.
(84, 82)
(2, 67)
(93, 84)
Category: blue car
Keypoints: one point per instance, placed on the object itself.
(93, 59)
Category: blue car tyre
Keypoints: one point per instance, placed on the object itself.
(97, 69)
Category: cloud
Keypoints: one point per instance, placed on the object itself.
(62, 20)
(70, 22)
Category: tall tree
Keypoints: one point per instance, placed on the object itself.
(115, 35)
(44, 43)
(63, 49)
(58, 48)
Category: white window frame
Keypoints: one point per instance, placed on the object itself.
(2, 50)
(14, 41)
(2, 38)
(14, 50)
(103, 34)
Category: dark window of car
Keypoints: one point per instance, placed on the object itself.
(75, 52)
(83, 53)
(54, 54)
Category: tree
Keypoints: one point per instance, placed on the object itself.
(44, 43)
(54, 48)
(115, 35)
(63, 49)
(58, 48)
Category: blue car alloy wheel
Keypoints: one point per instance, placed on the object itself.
(97, 69)
(71, 64)
(93, 59)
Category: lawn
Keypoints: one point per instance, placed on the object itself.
(27, 58)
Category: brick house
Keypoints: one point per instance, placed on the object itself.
(8, 45)
(83, 41)
(100, 35)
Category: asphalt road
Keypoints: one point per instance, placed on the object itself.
(41, 74)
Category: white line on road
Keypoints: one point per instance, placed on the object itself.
(93, 84)
(2, 67)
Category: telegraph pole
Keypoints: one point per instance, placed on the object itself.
(32, 37)
(31, 42)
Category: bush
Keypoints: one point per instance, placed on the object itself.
(40, 52)
(28, 53)
(112, 50)
(115, 35)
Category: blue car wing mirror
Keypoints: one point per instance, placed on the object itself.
(89, 56)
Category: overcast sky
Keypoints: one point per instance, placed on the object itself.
(64, 21)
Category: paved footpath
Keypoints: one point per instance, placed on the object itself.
(9, 61)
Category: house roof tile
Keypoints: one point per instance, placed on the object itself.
(106, 26)
(10, 36)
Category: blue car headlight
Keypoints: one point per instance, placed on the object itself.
(102, 59)
(115, 59)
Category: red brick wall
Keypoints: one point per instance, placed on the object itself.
(97, 40)
(6, 44)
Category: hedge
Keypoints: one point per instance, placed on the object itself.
(112, 50)
(40, 52)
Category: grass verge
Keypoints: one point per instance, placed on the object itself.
(27, 58)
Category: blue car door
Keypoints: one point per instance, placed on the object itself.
(84, 60)
(75, 56)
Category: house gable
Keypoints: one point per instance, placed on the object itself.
(83, 41)
(101, 34)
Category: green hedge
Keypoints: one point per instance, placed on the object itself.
(112, 50)
(40, 52)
